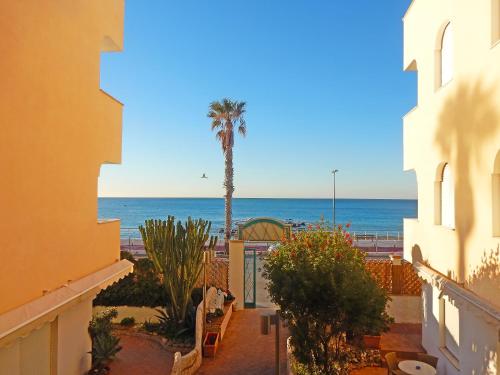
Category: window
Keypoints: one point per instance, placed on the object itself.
(449, 324)
(446, 60)
(445, 198)
(495, 21)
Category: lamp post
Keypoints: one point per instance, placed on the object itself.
(334, 172)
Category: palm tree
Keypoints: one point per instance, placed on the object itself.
(226, 115)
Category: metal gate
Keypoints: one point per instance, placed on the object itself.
(249, 272)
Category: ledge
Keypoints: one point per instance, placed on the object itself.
(107, 221)
(450, 357)
(21, 321)
(458, 292)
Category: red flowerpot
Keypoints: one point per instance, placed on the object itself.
(371, 342)
(210, 344)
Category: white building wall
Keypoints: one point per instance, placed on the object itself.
(73, 340)
(478, 338)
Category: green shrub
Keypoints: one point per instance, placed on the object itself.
(325, 292)
(127, 321)
(140, 288)
(149, 326)
(104, 344)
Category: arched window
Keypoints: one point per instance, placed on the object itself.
(495, 196)
(495, 21)
(445, 197)
(446, 59)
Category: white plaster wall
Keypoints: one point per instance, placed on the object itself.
(29, 355)
(10, 360)
(405, 309)
(73, 339)
(478, 338)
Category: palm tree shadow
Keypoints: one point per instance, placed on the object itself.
(485, 279)
(468, 119)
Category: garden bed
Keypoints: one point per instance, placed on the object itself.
(219, 324)
(356, 357)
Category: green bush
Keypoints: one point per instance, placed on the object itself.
(127, 321)
(325, 292)
(140, 288)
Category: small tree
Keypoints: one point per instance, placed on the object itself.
(325, 292)
(176, 251)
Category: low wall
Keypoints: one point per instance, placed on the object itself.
(405, 309)
(140, 314)
(188, 364)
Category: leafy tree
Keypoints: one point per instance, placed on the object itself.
(226, 115)
(176, 251)
(325, 292)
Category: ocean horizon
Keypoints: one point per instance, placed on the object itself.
(370, 215)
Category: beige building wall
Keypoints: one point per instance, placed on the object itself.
(57, 127)
(457, 124)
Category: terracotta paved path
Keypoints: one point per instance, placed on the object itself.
(244, 350)
(140, 356)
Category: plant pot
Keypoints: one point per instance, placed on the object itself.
(371, 342)
(210, 344)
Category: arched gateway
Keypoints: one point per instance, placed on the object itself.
(263, 229)
(253, 235)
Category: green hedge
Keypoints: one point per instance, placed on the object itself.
(140, 288)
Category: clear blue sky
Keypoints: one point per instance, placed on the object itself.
(323, 83)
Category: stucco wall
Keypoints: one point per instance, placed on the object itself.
(478, 341)
(63, 343)
(236, 264)
(57, 129)
(458, 124)
(405, 309)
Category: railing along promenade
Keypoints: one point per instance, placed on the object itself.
(371, 241)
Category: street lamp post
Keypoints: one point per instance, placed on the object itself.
(334, 172)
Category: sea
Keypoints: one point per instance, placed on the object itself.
(383, 216)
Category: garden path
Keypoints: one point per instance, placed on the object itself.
(142, 356)
(244, 350)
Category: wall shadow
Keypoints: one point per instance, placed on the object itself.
(468, 118)
(485, 279)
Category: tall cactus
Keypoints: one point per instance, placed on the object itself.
(176, 251)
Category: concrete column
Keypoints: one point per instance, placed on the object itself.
(236, 265)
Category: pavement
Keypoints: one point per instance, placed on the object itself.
(244, 349)
(141, 356)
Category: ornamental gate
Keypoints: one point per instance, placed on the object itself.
(257, 233)
(249, 277)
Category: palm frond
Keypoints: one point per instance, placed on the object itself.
(221, 136)
(242, 128)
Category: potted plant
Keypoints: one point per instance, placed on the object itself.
(371, 338)
(210, 344)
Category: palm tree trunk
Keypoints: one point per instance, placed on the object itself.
(228, 183)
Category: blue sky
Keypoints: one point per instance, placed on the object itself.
(323, 83)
